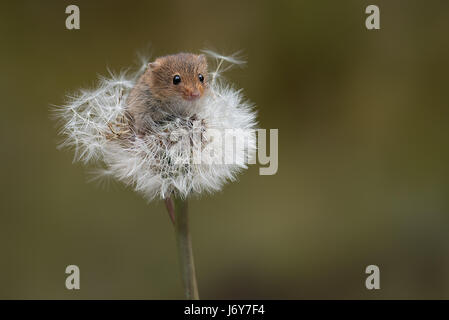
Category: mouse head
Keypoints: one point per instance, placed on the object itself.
(181, 76)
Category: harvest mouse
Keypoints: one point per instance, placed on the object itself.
(171, 85)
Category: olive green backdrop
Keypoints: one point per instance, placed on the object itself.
(363, 153)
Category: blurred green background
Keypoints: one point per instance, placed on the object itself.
(363, 153)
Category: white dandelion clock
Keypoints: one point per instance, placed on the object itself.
(171, 130)
(192, 152)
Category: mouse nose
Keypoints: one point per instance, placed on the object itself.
(195, 94)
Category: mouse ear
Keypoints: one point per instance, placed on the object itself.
(202, 58)
(153, 65)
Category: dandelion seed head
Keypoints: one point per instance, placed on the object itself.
(94, 124)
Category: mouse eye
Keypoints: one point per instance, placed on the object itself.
(200, 76)
(176, 79)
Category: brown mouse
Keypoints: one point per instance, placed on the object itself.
(171, 85)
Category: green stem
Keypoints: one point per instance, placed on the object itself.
(180, 214)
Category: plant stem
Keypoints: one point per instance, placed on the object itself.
(170, 208)
(178, 210)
